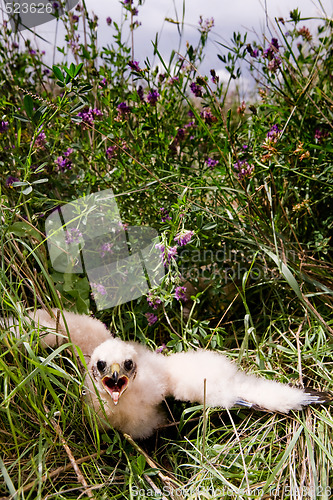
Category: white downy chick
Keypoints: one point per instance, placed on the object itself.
(126, 382)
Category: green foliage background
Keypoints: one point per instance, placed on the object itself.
(252, 180)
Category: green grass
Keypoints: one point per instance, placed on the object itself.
(261, 248)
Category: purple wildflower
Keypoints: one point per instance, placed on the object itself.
(68, 152)
(211, 162)
(111, 152)
(74, 43)
(63, 164)
(160, 246)
(215, 78)
(10, 181)
(123, 225)
(243, 169)
(183, 237)
(273, 49)
(274, 64)
(102, 83)
(180, 292)
(3, 126)
(139, 91)
(96, 112)
(172, 252)
(196, 89)
(272, 55)
(164, 214)
(190, 124)
(167, 253)
(180, 134)
(206, 25)
(97, 288)
(161, 349)
(151, 318)
(253, 52)
(134, 65)
(40, 140)
(273, 133)
(88, 116)
(152, 97)
(75, 18)
(134, 25)
(321, 134)
(123, 109)
(108, 21)
(153, 301)
(173, 80)
(106, 248)
(207, 116)
(74, 235)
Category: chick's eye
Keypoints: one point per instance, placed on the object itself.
(101, 365)
(128, 364)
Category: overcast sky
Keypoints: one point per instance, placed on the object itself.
(229, 16)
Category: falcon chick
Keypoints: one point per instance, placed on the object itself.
(126, 382)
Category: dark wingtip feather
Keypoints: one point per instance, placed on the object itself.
(311, 396)
(242, 402)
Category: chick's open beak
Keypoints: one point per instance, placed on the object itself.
(115, 385)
